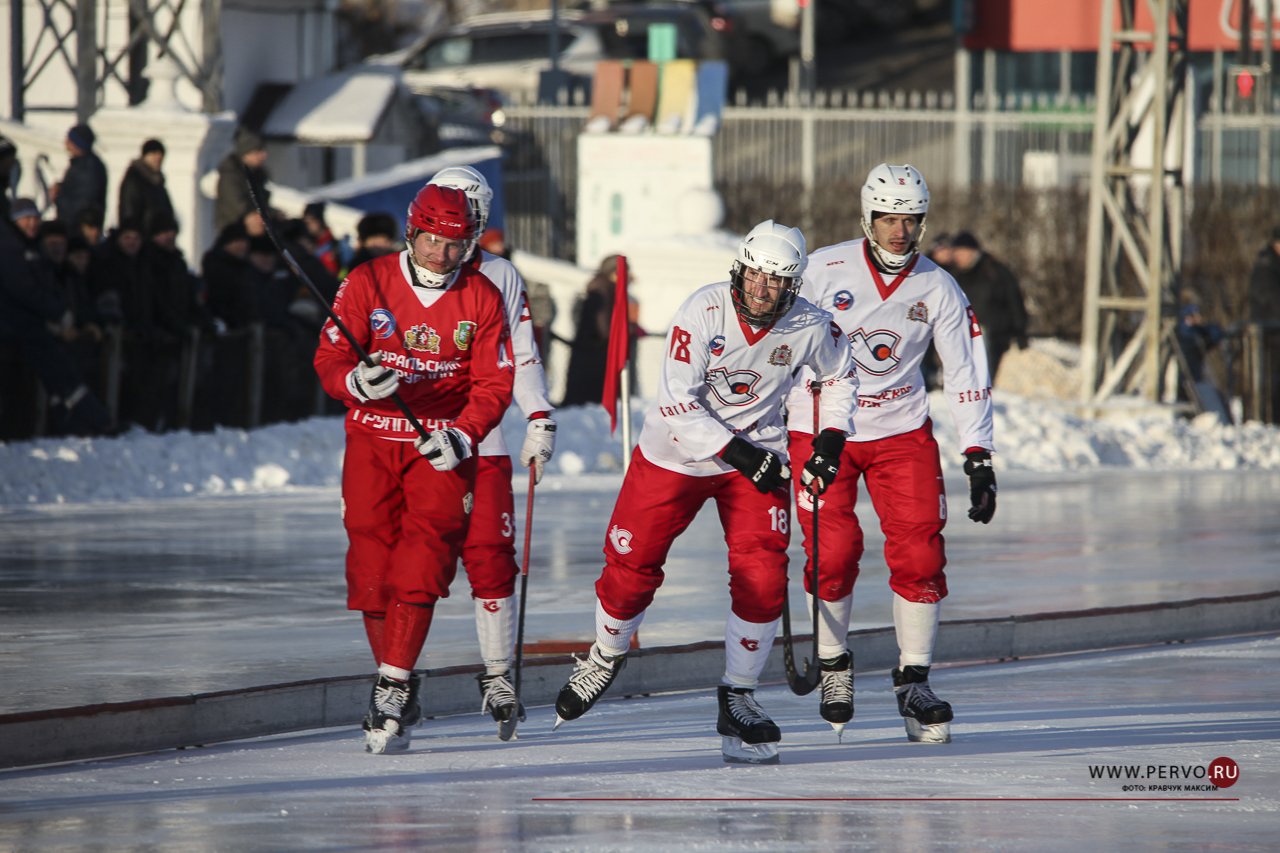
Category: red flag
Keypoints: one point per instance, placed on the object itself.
(619, 345)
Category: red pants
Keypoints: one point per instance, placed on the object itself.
(903, 474)
(405, 523)
(489, 551)
(656, 505)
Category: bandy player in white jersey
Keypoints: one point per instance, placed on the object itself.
(716, 432)
(488, 553)
(892, 301)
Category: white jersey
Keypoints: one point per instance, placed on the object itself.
(721, 378)
(890, 321)
(529, 393)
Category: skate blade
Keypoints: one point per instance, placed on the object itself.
(918, 732)
(838, 728)
(559, 721)
(737, 752)
(380, 742)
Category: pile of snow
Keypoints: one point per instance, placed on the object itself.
(1031, 435)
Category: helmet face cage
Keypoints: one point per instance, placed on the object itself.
(444, 212)
(776, 251)
(474, 185)
(894, 189)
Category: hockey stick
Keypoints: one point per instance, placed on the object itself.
(524, 588)
(301, 276)
(804, 683)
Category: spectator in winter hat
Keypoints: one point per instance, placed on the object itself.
(143, 195)
(247, 163)
(994, 293)
(26, 217)
(85, 182)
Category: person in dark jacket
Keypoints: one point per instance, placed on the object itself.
(995, 295)
(143, 195)
(1264, 308)
(85, 182)
(248, 162)
(29, 307)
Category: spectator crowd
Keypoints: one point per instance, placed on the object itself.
(105, 330)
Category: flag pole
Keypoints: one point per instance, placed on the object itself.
(626, 416)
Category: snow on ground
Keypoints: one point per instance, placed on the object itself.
(1032, 434)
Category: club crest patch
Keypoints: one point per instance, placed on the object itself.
(717, 345)
(843, 300)
(422, 338)
(918, 312)
(463, 335)
(781, 356)
(382, 323)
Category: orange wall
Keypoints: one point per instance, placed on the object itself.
(1048, 25)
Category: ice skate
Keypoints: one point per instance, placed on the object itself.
(498, 697)
(836, 705)
(748, 736)
(591, 677)
(384, 730)
(927, 718)
(412, 714)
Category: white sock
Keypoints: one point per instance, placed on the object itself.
(746, 650)
(496, 631)
(916, 625)
(394, 672)
(833, 625)
(613, 636)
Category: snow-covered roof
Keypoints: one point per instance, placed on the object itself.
(336, 109)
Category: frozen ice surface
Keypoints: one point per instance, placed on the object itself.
(645, 774)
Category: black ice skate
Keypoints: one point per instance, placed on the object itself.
(928, 718)
(384, 727)
(748, 736)
(591, 677)
(412, 713)
(836, 705)
(498, 697)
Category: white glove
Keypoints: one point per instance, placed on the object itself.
(539, 444)
(445, 448)
(372, 383)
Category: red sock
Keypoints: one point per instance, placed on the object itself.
(374, 626)
(405, 633)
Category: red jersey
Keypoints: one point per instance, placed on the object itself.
(451, 348)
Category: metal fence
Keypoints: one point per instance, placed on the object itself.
(821, 148)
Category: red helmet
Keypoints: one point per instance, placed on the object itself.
(443, 211)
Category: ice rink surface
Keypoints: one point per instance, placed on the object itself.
(1047, 755)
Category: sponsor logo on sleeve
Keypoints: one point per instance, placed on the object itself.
(975, 328)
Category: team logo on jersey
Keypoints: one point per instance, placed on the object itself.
(733, 389)
(525, 316)
(491, 606)
(468, 501)
(422, 338)
(382, 323)
(918, 312)
(717, 345)
(750, 644)
(463, 335)
(781, 356)
(620, 538)
(875, 352)
(975, 328)
(332, 332)
(804, 500)
(843, 300)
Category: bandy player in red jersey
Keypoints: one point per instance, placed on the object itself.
(716, 432)
(437, 333)
(892, 301)
(489, 551)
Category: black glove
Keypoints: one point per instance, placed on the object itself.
(982, 485)
(764, 468)
(821, 469)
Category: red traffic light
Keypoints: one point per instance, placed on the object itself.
(1245, 82)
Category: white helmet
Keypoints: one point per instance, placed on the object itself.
(777, 250)
(477, 189)
(894, 189)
